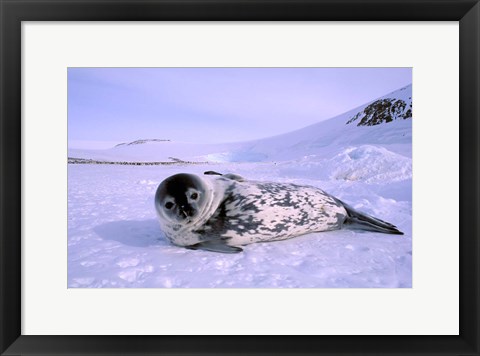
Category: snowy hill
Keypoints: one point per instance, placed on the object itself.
(330, 137)
(378, 123)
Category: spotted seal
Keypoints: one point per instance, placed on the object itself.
(220, 212)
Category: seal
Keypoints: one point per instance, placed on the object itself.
(220, 212)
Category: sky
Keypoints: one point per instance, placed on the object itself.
(107, 106)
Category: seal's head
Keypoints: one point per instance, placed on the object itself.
(181, 198)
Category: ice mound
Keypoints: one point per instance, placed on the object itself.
(370, 164)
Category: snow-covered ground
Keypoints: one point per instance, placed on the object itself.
(114, 239)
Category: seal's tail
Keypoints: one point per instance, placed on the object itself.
(362, 221)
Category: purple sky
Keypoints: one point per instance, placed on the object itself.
(111, 105)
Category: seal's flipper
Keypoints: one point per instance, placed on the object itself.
(362, 221)
(234, 177)
(215, 246)
(212, 173)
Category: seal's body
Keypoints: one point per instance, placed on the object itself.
(221, 212)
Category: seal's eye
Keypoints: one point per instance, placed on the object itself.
(169, 205)
(194, 196)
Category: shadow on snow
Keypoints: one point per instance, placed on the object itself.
(137, 233)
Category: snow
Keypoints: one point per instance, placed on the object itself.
(114, 239)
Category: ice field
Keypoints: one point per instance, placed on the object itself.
(114, 239)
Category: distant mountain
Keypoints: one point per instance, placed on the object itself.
(140, 142)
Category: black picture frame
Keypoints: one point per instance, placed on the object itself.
(13, 12)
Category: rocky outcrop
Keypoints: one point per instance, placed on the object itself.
(383, 111)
